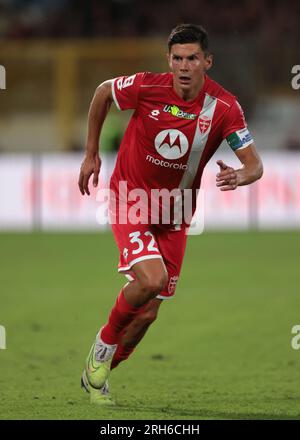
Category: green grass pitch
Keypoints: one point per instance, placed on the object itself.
(221, 349)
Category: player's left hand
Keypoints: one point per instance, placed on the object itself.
(227, 178)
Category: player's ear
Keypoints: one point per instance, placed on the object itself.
(169, 60)
(208, 61)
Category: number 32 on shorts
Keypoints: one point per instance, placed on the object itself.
(136, 240)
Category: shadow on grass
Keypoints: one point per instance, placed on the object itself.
(177, 413)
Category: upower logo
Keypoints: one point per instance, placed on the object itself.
(171, 144)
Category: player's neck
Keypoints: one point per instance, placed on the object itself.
(190, 93)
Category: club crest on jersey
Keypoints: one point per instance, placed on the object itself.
(172, 284)
(204, 123)
(171, 144)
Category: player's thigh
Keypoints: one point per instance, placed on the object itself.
(172, 245)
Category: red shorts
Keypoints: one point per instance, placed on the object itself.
(142, 242)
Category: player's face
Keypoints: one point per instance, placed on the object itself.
(188, 64)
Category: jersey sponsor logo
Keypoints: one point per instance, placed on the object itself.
(239, 138)
(171, 144)
(175, 111)
(154, 114)
(125, 253)
(124, 82)
(165, 164)
(204, 123)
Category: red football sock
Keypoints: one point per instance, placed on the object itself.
(121, 315)
(122, 352)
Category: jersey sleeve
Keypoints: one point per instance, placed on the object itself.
(126, 89)
(235, 129)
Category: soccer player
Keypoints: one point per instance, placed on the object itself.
(180, 119)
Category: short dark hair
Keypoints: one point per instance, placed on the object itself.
(189, 33)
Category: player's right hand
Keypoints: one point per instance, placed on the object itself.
(90, 165)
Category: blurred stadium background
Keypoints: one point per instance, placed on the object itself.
(55, 53)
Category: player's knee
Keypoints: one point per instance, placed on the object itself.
(153, 285)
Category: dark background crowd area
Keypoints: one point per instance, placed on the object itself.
(267, 19)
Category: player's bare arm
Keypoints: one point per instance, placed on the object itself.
(91, 164)
(252, 169)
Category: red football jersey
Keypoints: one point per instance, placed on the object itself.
(169, 141)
